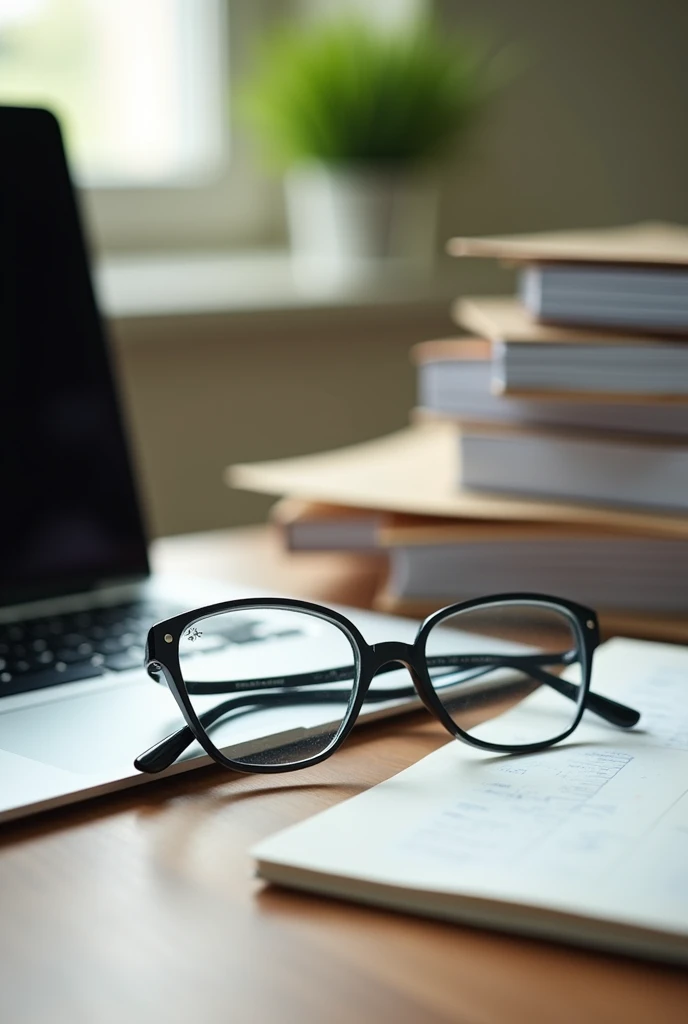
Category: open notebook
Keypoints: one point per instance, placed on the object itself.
(585, 843)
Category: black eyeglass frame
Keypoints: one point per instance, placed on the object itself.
(162, 660)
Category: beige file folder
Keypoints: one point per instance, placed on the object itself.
(416, 471)
(651, 244)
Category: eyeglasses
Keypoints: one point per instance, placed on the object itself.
(509, 673)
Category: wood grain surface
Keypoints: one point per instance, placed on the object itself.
(143, 906)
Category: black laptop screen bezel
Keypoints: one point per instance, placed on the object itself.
(44, 238)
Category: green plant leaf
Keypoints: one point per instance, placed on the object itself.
(346, 91)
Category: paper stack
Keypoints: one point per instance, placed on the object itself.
(545, 456)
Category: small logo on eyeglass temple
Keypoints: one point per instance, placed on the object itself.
(192, 633)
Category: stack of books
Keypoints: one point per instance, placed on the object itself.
(549, 450)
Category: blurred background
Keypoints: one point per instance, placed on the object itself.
(263, 303)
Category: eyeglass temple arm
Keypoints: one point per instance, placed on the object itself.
(161, 755)
(613, 712)
(344, 672)
(164, 753)
(610, 710)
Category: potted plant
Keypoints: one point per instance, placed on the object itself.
(357, 116)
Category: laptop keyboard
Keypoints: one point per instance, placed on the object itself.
(84, 645)
(79, 645)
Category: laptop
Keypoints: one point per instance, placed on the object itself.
(76, 593)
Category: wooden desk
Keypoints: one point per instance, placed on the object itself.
(143, 906)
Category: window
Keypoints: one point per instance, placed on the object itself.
(137, 83)
(142, 89)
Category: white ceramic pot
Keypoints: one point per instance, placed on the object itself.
(344, 218)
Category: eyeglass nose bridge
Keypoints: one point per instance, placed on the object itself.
(392, 650)
(405, 655)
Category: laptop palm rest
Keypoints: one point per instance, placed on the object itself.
(96, 735)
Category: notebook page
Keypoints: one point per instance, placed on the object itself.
(651, 677)
(597, 826)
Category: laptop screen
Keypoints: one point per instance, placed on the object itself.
(68, 510)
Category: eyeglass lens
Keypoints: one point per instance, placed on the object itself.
(509, 674)
(266, 669)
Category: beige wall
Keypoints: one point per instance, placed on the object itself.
(202, 392)
(591, 132)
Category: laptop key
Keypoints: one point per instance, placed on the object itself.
(71, 657)
(73, 639)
